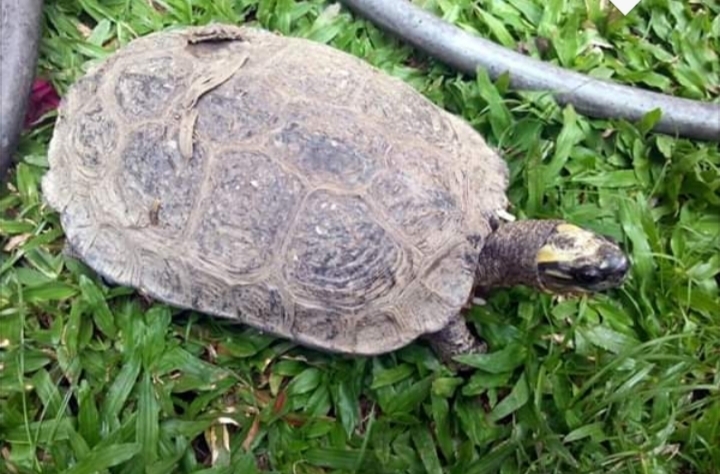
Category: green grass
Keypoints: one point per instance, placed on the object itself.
(97, 379)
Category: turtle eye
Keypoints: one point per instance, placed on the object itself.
(587, 275)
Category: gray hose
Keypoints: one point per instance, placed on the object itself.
(20, 27)
(590, 96)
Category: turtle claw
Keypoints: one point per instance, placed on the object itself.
(506, 216)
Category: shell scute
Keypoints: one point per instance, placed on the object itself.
(157, 184)
(339, 256)
(341, 152)
(239, 110)
(245, 212)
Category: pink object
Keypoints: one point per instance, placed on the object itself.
(43, 99)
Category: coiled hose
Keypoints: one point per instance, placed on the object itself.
(590, 96)
(20, 27)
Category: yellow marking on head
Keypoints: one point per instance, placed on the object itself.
(585, 243)
(547, 254)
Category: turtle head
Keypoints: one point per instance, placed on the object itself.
(575, 260)
(552, 256)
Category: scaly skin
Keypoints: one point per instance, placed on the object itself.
(548, 255)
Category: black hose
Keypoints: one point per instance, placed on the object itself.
(590, 96)
(20, 27)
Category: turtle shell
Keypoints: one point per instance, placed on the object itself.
(276, 181)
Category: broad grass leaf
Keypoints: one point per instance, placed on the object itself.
(593, 431)
(440, 408)
(608, 339)
(51, 291)
(88, 416)
(120, 389)
(148, 429)
(506, 359)
(493, 460)
(632, 217)
(341, 459)
(426, 449)
(15, 227)
(391, 376)
(195, 372)
(101, 33)
(501, 34)
(530, 10)
(610, 179)
(500, 117)
(42, 432)
(345, 400)
(409, 399)
(482, 381)
(446, 386)
(96, 302)
(98, 460)
(27, 183)
(518, 397)
(305, 382)
(48, 392)
(570, 135)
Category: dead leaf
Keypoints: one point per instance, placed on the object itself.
(16, 241)
(252, 433)
(217, 438)
(84, 30)
(280, 402)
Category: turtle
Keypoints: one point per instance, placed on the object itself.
(295, 188)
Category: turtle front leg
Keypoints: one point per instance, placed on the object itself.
(455, 339)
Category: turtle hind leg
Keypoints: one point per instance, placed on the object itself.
(453, 340)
